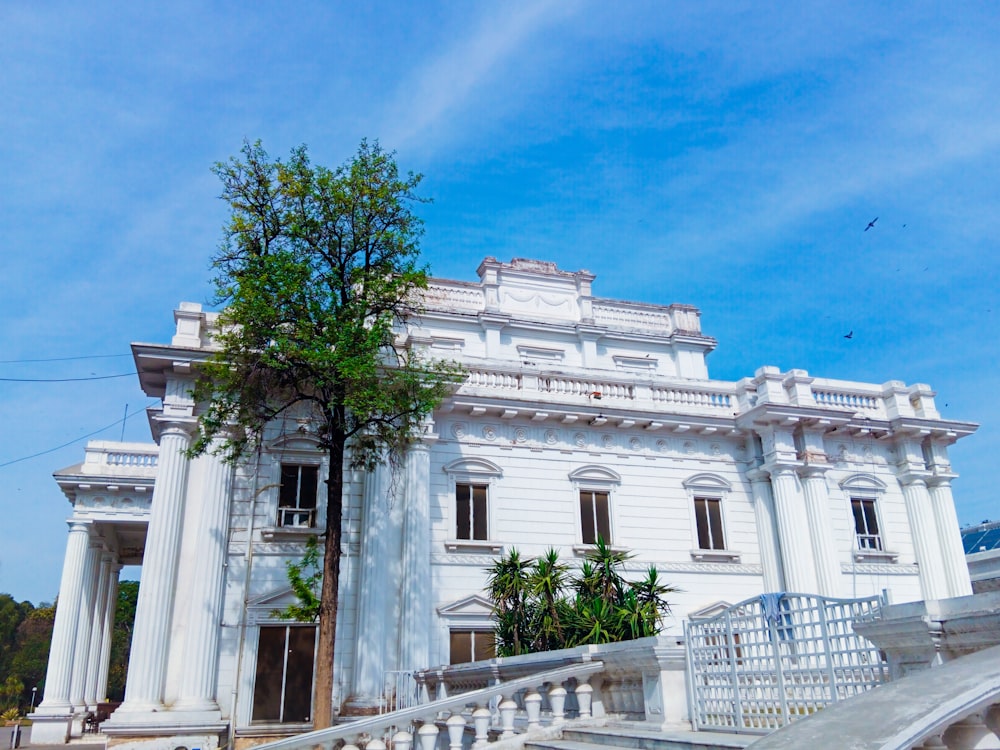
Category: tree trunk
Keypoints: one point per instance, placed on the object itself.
(323, 692)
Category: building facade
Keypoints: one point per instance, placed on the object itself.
(579, 416)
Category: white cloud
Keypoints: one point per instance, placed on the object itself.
(435, 93)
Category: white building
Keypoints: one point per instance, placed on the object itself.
(580, 415)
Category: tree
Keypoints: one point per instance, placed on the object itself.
(317, 271)
(30, 662)
(121, 638)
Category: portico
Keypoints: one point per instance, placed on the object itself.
(110, 493)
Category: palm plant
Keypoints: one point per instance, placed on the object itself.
(547, 582)
(533, 612)
(509, 589)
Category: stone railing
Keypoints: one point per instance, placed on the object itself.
(106, 458)
(480, 378)
(453, 297)
(623, 315)
(641, 679)
(561, 687)
(706, 398)
(570, 386)
(712, 399)
(845, 399)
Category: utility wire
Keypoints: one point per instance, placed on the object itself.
(77, 440)
(61, 359)
(65, 380)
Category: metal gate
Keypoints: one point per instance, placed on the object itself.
(777, 657)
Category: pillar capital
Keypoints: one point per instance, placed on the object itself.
(175, 426)
(914, 479)
(813, 471)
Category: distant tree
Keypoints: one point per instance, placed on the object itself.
(12, 614)
(317, 270)
(34, 636)
(121, 638)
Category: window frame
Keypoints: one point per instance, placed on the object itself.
(867, 487)
(253, 703)
(869, 513)
(595, 520)
(712, 525)
(297, 508)
(472, 632)
(710, 488)
(472, 517)
(595, 479)
(473, 472)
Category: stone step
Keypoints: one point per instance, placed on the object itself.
(633, 737)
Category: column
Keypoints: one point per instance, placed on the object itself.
(108, 628)
(763, 508)
(820, 528)
(90, 695)
(923, 530)
(84, 626)
(793, 532)
(59, 673)
(201, 653)
(415, 623)
(373, 593)
(949, 536)
(151, 635)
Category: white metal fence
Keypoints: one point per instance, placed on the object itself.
(777, 657)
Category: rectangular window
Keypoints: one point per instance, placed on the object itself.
(595, 516)
(297, 496)
(472, 645)
(470, 511)
(282, 690)
(708, 516)
(866, 524)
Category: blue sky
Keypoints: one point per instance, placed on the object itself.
(725, 155)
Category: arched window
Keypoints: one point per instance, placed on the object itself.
(707, 493)
(471, 513)
(594, 486)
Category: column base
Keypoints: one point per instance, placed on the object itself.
(50, 729)
(165, 722)
(168, 741)
(361, 705)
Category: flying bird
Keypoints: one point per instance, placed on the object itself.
(871, 224)
(849, 335)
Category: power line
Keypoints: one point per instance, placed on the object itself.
(66, 380)
(77, 440)
(61, 359)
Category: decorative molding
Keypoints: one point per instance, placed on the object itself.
(715, 555)
(457, 558)
(473, 466)
(879, 569)
(593, 474)
(630, 566)
(473, 546)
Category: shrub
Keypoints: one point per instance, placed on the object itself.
(539, 606)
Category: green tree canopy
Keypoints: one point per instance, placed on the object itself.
(317, 272)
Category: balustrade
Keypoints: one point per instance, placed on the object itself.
(488, 714)
(585, 387)
(848, 400)
(494, 379)
(686, 397)
(623, 316)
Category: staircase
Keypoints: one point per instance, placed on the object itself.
(636, 735)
